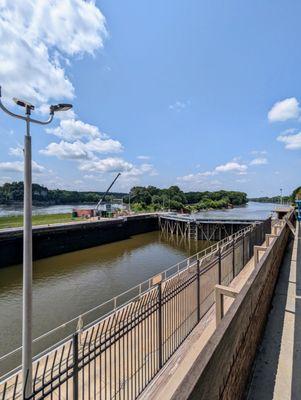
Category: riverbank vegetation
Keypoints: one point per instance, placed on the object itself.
(11, 193)
(296, 194)
(151, 198)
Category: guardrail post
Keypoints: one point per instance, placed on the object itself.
(75, 366)
(160, 344)
(220, 292)
(198, 287)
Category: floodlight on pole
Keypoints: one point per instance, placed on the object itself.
(27, 236)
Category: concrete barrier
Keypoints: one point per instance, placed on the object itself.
(63, 238)
(222, 368)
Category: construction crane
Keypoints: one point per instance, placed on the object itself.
(102, 200)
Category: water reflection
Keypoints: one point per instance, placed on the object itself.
(70, 284)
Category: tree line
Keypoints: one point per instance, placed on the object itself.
(296, 194)
(173, 198)
(13, 193)
(149, 198)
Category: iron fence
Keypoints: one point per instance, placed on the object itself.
(117, 356)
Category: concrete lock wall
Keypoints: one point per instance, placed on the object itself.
(222, 369)
(63, 238)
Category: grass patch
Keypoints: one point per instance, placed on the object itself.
(15, 221)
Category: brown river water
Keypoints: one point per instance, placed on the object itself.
(67, 285)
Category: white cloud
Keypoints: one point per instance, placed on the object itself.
(37, 38)
(200, 177)
(130, 173)
(231, 167)
(110, 164)
(259, 152)
(292, 142)
(71, 129)
(79, 150)
(16, 151)
(66, 150)
(18, 166)
(259, 161)
(143, 157)
(104, 146)
(284, 110)
(179, 105)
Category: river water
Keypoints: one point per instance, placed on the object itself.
(67, 285)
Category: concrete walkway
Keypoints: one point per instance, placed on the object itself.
(277, 367)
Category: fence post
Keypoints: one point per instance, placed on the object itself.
(243, 250)
(75, 365)
(220, 273)
(160, 344)
(233, 258)
(219, 265)
(198, 290)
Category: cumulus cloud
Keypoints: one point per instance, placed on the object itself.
(284, 110)
(201, 177)
(79, 150)
(37, 40)
(292, 142)
(18, 166)
(104, 146)
(66, 150)
(231, 167)
(143, 157)
(130, 172)
(110, 164)
(72, 129)
(259, 161)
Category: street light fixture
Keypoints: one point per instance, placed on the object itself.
(61, 107)
(27, 236)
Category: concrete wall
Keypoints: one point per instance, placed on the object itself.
(62, 238)
(222, 369)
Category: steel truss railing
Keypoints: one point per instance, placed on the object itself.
(116, 355)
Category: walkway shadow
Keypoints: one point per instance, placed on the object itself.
(296, 376)
(262, 383)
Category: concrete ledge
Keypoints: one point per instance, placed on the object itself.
(50, 240)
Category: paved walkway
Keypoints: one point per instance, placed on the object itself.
(277, 368)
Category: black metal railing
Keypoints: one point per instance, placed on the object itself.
(118, 356)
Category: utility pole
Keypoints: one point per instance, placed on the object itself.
(281, 196)
(27, 236)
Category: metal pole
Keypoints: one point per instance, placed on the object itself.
(281, 196)
(160, 326)
(27, 266)
(75, 366)
(198, 291)
(130, 202)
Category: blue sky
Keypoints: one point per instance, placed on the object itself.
(202, 94)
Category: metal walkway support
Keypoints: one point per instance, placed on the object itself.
(194, 229)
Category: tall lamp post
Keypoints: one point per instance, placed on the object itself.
(281, 196)
(27, 236)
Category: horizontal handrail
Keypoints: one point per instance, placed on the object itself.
(141, 289)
